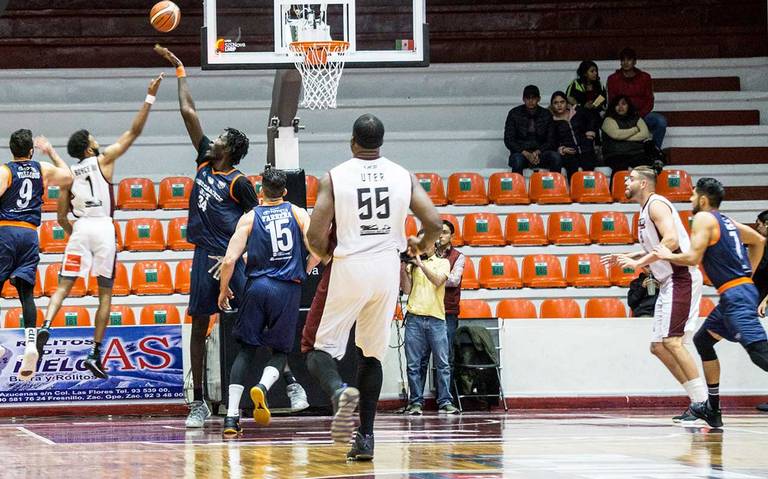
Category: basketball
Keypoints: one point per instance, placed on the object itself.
(165, 16)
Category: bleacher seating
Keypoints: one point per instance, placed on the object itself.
(458, 238)
(469, 278)
(516, 308)
(506, 188)
(618, 186)
(590, 187)
(121, 315)
(174, 193)
(548, 188)
(499, 272)
(177, 235)
(483, 229)
(311, 183)
(604, 308)
(71, 316)
(567, 227)
(120, 286)
(53, 238)
(433, 185)
(609, 227)
(543, 271)
(675, 185)
(560, 308)
(474, 308)
(144, 234)
(159, 314)
(14, 318)
(586, 271)
(51, 282)
(525, 229)
(10, 292)
(467, 188)
(136, 194)
(151, 277)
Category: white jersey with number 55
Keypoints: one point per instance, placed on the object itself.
(371, 199)
(92, 195)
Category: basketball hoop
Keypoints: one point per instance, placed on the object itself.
(320, 64)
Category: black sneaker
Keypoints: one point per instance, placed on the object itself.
(702, 410)
(93, 363)
(362, 448)
(42, 339)
(686, 418)
(344, 403)
(232, 427)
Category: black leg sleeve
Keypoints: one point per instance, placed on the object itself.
(325, 370)
(369, 380)
(27, 298)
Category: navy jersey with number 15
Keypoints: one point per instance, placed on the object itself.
(276, 245)
(22, 201)
(726, 258)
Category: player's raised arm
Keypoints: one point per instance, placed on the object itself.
(322, 217)
(235, 250)
(57, 174)
(116, 149)
(754, 241)
(186, 104)
(701, 233)
(425, 211)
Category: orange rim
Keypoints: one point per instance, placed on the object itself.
(316, 53)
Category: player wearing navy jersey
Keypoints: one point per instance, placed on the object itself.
(729, 252)
(21, 199)
(274, 236)
(220, 195)
(92, 246)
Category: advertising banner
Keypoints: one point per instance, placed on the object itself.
(143, 362)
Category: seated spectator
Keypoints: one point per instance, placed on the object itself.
(636, 84)
(588, 93)
(573, 134)
(625, 133)
(526, 135)
(642, 294)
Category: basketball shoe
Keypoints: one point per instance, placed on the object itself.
(261, 412)
(362, 448)
(344, 403)
(198, 413)
(232, 427)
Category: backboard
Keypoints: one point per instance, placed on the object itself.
(255, 34)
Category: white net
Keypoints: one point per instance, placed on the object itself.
(320, 65)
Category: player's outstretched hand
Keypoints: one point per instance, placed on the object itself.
(414, 246)
(42, 144)
(626, 262)
(224, 297)
(168, 55)
(662, 252)
(154, 85)
(609, 259)
(763, 305)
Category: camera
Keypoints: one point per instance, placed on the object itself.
(406, 258)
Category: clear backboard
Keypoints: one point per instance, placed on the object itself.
(256, 34)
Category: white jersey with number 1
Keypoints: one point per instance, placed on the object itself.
(91, 193)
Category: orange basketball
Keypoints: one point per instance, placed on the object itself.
(165, 16)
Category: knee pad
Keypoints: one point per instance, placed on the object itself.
(705, 343)
(758, 353)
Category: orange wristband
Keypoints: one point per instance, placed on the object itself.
(180, 72)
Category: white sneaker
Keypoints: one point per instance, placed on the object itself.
(198, 413)
(298, 397)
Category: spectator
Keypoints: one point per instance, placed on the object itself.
(573, 134)
(760, 276)
(636, 84)
(642, 294)
(423, 279)
(588, 93)
(625, 133)
(526, 135)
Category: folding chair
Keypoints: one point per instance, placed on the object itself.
(491, 326)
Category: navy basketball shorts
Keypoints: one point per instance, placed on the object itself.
(19, 253)
(269, 314)
(735, 317)
(204, 288)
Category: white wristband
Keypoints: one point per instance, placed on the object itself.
(150, 99)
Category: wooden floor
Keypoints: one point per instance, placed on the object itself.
(582, 444)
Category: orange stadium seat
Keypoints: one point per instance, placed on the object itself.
(177, 235)
(609, 227)
(311, 183)
(675, 185)
(467, 189)
(151, 277)
(14, 318)
(622, 276)
(517, 308)
(483, 229)
(159, 314)
(51, 195)
(506, 188)
(586, 271)
(635, 220)
(174, 193)
(183, 276)
(256, 182)
(118, 236)
(605, 308)
(525, 229)
(560, 308)
(548, 187)
(71, 316)
(120, 286)
(411, 227)
(144, 234)
(136, 194)
(469, 277)
(53, 239)
(499, 272)
(542, 271)
(705, 307)
(121, 315)
(474, 308)
(618, 186)
(433, 185)
(687, 218)
(567, 227)
(10, 292)
(458, 239)
(590, 187)
(52, 282)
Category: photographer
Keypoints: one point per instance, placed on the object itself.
(423, 278)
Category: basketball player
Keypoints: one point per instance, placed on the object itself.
(220, 196)
(367, 199)
(21, 201)
(677, 306)
(92, 246)
(274, 236)
(729, 251)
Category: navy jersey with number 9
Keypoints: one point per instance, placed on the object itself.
(23, 199)
(276, 245)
